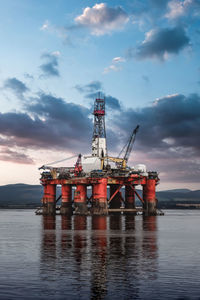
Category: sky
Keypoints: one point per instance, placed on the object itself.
(143, 56)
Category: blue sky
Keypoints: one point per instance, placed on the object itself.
(143, 55)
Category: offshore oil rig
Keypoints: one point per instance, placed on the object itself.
(101, 175)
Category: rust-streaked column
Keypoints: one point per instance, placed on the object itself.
(149, 196)
(116, 201)
(129, 197)
(49, 199)
(80, 200)
(66, 205)
(99, 197)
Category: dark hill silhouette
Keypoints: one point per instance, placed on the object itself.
(177, 191)
(20, 195)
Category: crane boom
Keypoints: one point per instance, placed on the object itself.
(130, 143)
(48, 166)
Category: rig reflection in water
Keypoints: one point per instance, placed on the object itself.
(98, 257)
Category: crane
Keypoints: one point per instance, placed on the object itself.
(122, 162)
(129, 144)
(63, 171)
(78, 166)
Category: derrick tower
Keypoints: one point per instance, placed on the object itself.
(99, 148)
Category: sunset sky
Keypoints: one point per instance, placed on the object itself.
(144, 56)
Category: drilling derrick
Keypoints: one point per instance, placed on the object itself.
(99, 148)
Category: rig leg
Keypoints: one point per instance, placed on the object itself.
(66, 206)
(49, 199)
(116, 201)
(149, 196)
(129, 197)
(80, 200)
(99, 198)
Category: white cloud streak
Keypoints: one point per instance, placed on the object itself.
(116, 65)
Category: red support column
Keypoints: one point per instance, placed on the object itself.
(116, 201)
(49, 199)
(80, 200)
(66, 205)
(99, 197)
(129, 197)
(149, 197)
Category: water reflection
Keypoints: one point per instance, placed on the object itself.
(99, 257)
(48, 243)
(66, 224)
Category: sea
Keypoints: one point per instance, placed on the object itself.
(99, 257)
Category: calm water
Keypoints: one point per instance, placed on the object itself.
(115, 257)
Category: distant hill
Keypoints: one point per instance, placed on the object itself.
(177, 191)
(20, 195)
(24, 195)
(178, 195)
(174, 198)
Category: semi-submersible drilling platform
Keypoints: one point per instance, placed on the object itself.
(97, 172)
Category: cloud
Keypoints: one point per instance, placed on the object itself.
(17, 86)
(50, 67)
(142, 7)
(158, 4)
(91, 87)
(149, 12)
(112, 67)
(59, 31)
(118, 59)
(171, 122)
(16, 157)
(47, 123)
(28, 76)
(168, 138)
(113, 103)
(99, 19)
(46, 26)
(102, 19)
(115, 65)
(91, 91)
(177, 8)
(159, 43)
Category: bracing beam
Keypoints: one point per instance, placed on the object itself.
(115, 193)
